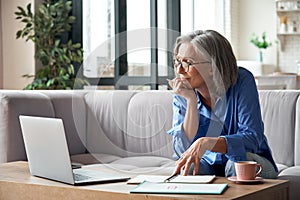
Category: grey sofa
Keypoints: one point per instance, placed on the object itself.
(126, 130)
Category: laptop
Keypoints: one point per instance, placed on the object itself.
(48, 155)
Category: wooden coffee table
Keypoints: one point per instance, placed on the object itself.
(17, 183)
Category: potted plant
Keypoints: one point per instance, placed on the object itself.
(261, 43)
(45, 29)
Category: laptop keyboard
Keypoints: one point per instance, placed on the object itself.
(80, 177)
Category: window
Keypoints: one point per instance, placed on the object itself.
(98, 28)
(202, 15)
(120, 41)
(138, 38)
(129, 44)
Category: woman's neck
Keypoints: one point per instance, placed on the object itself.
(206, 98)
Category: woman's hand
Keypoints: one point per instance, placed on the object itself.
(195, 152)
(192, 155)
(182, 87)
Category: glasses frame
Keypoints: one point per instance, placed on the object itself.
(186, 63)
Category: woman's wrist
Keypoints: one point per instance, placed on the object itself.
(192, 99)
(215, 144)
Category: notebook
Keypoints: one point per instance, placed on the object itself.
(179, 188)
(177, 179)
(48, 155)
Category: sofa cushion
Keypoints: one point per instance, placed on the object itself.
(153, 170)
(145, 161)
(70, 106)
(278, 113)
(293, 175)
(88, 159)
(281, 167)
(294, 171)
(149, 118)
(107, 113)
(129, 165)
(129, 123)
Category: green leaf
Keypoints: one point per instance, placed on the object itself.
(260, 42)
(28, 25)
(50, 82)
(57, 42)
(25, 20)
(44, 59)
(29, 10)
(22, 11)
(18, 34)
(77, 45)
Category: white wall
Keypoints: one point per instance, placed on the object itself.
(257, 16)
(18, 55)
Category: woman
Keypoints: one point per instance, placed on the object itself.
(217, 118)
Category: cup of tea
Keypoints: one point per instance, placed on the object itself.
(247, 170)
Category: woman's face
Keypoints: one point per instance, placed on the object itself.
(199, 69)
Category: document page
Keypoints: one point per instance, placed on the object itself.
(193, 179)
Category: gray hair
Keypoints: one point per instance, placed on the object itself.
(217, 49)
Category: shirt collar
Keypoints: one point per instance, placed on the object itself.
(218, 113)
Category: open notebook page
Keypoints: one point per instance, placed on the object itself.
(178, 179)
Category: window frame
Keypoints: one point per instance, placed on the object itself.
(121, 80)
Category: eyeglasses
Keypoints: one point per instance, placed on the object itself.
(185, 64)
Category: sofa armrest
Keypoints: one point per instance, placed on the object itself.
(13, 104)
(61, 104)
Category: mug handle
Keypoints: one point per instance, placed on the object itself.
(260, 169)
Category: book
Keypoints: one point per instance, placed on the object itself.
(177, 179)
(179, 188)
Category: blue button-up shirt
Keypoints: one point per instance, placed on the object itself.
(236, 117)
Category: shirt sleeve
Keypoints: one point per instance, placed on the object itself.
(180, 141)
(249, 131)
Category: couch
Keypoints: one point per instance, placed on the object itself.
(126, 130)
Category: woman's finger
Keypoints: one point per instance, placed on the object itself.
(177, 170)
(171, 83)
(196, 166)
(187, 166)
(180, 164)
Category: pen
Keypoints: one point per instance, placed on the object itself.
(170, 178)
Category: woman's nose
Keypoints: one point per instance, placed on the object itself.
(180, 70)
